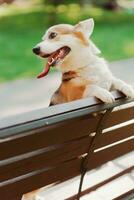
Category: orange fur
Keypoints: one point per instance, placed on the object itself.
(71, 88)
(67, 91)
(82, 38)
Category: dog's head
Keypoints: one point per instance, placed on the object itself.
(67, 47)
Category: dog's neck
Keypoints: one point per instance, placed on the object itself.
(75, 62)
(67, 76)
(72, 74)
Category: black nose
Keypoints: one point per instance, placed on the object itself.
(36, 50)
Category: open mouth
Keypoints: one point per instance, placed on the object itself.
(53, 59)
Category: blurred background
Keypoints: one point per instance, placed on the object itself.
(23, 23)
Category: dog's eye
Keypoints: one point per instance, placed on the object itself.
(52, 35)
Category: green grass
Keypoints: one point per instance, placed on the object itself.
(21, 31)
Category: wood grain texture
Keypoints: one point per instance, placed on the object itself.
(116, 135)
(120, 116)
(111, 153)
(46, 158)
(48, 136)
(30, 182)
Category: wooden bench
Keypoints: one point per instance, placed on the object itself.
(55, 144)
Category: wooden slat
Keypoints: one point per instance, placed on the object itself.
(58, 154)
(115, 135)
(13, 188)
(111, 153)
(119, 116)
(17, 197)
(51, 135)
(127, 196)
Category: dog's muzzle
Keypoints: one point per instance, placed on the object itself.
(53, 59)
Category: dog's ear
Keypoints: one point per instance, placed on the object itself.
(85, 26)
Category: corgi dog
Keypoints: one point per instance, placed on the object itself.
(84, 73)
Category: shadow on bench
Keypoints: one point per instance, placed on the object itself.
(55, 144)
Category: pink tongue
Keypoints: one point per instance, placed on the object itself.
(49, 63)
(45, 71)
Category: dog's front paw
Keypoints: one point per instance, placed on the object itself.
(107, 97)
(128, 91)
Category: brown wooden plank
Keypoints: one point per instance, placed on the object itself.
(18, 197)
(56, 155)
(111, 153)
(12, 188)
(115, 135)
(51, 135)
(119, 116)
(126, 196)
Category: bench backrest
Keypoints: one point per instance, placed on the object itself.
(53, 148)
